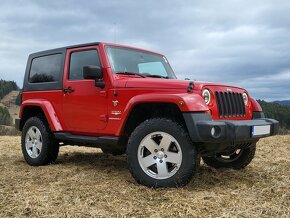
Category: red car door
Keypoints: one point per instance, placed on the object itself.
(84, 104)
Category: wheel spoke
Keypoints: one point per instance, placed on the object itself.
(173, 157)
(38, 135)
(148, 161)
(165, 143)
(31, 133)
(38, 145)
(34, 152)
(29, 144)
(162, 169)
(150, 144)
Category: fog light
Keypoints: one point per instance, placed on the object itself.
(215, 131)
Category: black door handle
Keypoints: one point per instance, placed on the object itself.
(68, 90)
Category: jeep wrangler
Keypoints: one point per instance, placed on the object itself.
(128, 100)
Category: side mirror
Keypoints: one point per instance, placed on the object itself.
(92, 72)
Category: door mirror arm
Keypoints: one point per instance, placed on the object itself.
(100, 83)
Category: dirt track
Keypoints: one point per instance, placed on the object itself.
(85, 182)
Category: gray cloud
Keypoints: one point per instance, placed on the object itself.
(239, 42)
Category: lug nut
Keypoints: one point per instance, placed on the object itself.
(161, 161)
(162, 149)
(165, 156)
(155, 150)
(155, 157)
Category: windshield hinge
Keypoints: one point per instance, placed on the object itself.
(190, 86)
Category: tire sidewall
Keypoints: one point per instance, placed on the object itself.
(241, 162)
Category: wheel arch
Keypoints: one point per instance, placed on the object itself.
(147, 110)
(30, 108)
(180, 103)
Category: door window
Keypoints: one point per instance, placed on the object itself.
(80, 59)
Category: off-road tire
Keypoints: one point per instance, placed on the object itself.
(241, 162)
(190, 157)
(50, 147)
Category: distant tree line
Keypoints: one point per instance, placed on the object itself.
(6, 87)
(278, 112)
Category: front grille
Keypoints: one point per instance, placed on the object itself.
(230, 104)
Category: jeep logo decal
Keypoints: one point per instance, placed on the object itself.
(115, 103)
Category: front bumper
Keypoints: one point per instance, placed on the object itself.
(217, 136)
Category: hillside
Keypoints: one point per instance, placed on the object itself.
(285, 102)
(84, 182)
(9, 102)
(6, 87)
(8, 110)
(278, 112)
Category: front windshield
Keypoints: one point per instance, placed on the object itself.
(131, 61)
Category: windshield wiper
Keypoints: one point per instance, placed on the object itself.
(158, 76)
(131, 73)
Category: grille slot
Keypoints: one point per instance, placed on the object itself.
(230, 104)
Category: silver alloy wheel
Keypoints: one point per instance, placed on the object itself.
(229, 157)
(33, 142)
(159, 155)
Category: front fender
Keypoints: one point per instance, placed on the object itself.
(47, 109)
(185, 102)
(256, 106)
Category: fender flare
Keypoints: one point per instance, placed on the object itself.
(184, 101)
(256, 106)
(47, 109)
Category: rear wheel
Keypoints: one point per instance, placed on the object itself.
(236, 159)
(39, 146)
(161, 154)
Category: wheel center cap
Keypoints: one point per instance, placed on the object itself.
(160, 155)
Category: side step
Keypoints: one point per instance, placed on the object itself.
(93, 141)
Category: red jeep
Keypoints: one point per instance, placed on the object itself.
(128, 100)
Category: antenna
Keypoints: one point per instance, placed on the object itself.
(115, 32)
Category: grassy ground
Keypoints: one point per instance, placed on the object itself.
(85, 182)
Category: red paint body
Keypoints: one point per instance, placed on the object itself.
(89, 110)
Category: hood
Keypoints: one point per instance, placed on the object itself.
(154, 83)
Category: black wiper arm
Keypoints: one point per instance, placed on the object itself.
(131, 73)
(158, 76)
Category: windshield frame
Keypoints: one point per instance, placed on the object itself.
(168, 69)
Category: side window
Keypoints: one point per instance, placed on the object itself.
(45, 69)
(80, 59)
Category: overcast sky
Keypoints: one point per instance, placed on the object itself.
(245, 43)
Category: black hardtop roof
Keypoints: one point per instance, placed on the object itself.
(62, 49)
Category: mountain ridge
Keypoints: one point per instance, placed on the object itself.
(282, 102)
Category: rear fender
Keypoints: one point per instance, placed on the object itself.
(47, 109)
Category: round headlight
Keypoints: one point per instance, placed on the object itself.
(206, 96)
(245, 98)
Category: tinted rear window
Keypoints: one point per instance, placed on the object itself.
(45, 69)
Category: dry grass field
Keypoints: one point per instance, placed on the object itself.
(85, 182)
